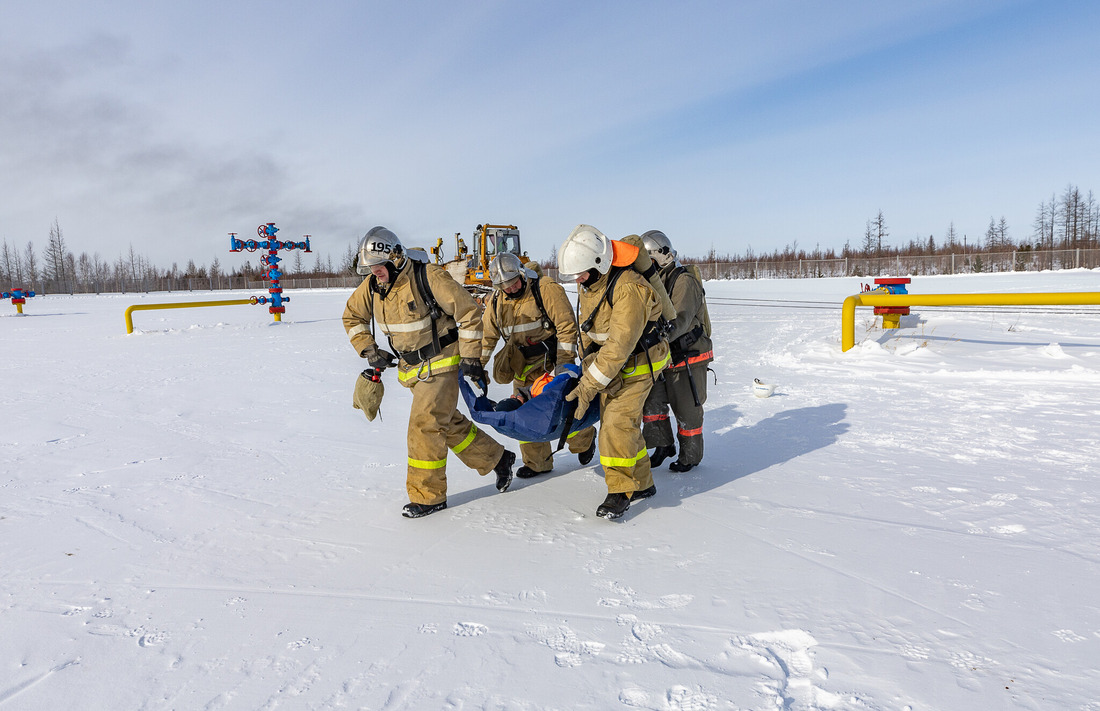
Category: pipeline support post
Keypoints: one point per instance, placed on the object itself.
(18, 297)
(891, 315)
(848, 309)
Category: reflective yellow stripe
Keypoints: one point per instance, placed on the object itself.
(645, 369)
(466, 442)
(412, 372)
(523, 376)
(622, 461)
(427, 463)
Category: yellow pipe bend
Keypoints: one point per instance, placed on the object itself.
(180, 305)
(848, 310)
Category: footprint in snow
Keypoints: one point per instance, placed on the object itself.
(469, 629)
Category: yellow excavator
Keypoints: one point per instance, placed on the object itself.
(471, 268)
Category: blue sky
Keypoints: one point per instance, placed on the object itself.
(729, 125)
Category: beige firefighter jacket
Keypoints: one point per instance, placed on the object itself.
(520, 323)
(402, 314)
(687, 296)
(617, 328)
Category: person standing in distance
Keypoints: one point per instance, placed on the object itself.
(433, 326)
(535, 319)
(624, 350)
(683, 385)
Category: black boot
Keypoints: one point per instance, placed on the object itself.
(680, 467)
(586, 456)
(614, 506)
(644, 493)
(526, 472)
(661, 454)
(503, 471)
(418, 510)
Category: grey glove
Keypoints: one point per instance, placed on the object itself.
(561, 368)
(475, 371)
(584, 393)
(378, 358)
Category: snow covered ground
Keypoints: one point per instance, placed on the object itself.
(194, 517)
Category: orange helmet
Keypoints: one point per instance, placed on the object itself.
(542, 381)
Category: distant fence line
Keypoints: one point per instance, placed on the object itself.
(170, 284)
(968, 263)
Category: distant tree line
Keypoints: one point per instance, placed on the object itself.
(58, 269)
(1070, 221)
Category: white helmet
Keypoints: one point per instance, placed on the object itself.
(505, 267)
(378, 247)
(585, 248)
(659, 248)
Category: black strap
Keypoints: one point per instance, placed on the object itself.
(549, 345)
(651, 336)
(675, 274)
(570, 412)
(431, 350)
(612, 279)
(536, 290)
(682, 345)
(420, 272)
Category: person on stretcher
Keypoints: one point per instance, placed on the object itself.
(524, 394)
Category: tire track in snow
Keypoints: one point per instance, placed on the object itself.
(8, 695)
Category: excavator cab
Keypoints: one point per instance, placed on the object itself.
(471, 267)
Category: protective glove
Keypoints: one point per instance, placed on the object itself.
(585, 392)
(378, 358)
(475, 371)
(562, 368)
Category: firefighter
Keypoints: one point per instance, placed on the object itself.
(624, 350)
(535, 319)
(683, 385)
(433, 326)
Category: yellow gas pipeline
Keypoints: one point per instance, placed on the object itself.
(184, 305)
(848, 312)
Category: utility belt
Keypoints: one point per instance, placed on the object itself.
(429, 351)
(681, 347)
(549, 346)
(653, 333)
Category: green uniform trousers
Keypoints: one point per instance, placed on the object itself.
(673, 390)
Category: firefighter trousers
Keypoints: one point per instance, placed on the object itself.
(436, 425)
(539, 456)
(622, 448)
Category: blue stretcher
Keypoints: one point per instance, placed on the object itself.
(541, 419)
